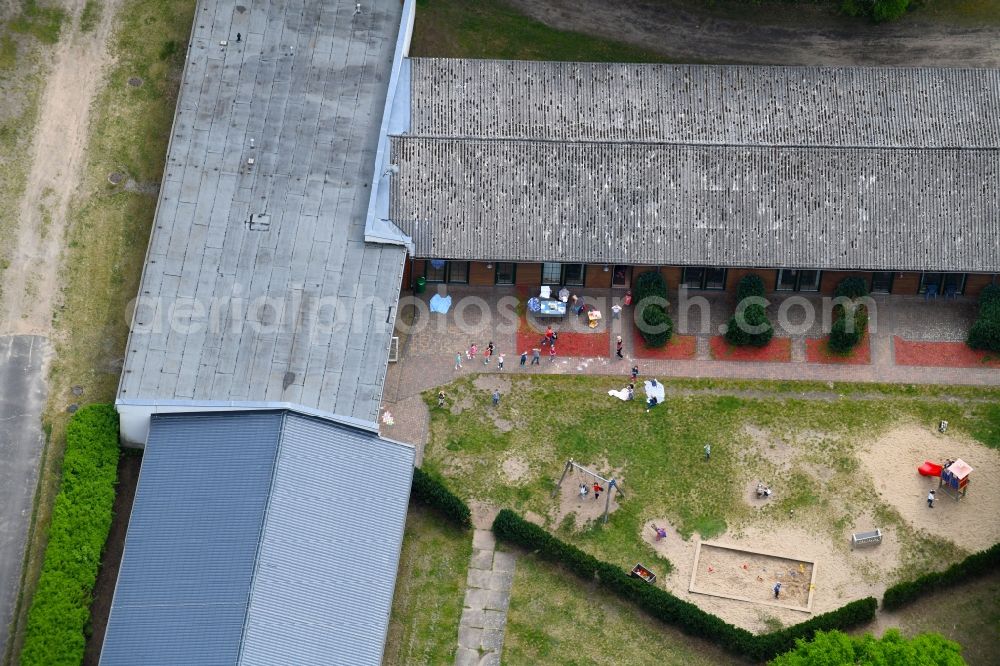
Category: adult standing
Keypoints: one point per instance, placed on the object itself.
(618, 347)
(536, 356)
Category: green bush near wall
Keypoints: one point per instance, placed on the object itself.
(657, 327)
(985, 332)
(754, 315)
(659, 603)
(975, 565)
(431, 492)
(81, 520)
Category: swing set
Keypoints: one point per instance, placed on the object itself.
(609, 484)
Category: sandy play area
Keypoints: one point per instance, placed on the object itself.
(742, 574)
(972, 523)
(585, 508)
(888, 468)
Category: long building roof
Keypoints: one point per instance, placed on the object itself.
(706, 104)
(260, 538)
(880, 169)
(258, 285)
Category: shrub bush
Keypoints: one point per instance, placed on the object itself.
(851, 287)
(81, 520)
(985, 332)
(750, 285)
(753, 315)
(975, 565)
(655, 318)
(652, 285)
(433, 493)
(843, 338)
(659, 603)
(877, 10)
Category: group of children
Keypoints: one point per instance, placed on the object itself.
(598, 489)
(488, 353)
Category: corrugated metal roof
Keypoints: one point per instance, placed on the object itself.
(632, 203)
(260, 538)
(258, 285)
(713, 104)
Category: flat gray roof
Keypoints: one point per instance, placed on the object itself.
(258, 285)
(706, 104)
(264, 537)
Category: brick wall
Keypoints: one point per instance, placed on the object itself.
(906, 284)
(595, 276)
(480, 275)
(975, 282)
(529, 274)
(417, 270)
(672, 274)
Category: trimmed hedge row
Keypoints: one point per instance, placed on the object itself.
(750, 286)
(975, 565)
(81, 520)
(666, 607)
(985, 332)
(657, 326)
(431, 492)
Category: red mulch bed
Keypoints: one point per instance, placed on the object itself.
(680, 348)
(778, 350)
(943, 354)
(568, 344)
(817, 351)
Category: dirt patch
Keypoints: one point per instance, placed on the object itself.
(892, 461)
(841, 575)
(739, 573)
(491, 382)
(463, 402)
(104, 589)
(749, 495)
(585, 508)
(772, 448)
(772, 35)
(515, 469)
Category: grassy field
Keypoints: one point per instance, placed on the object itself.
(542, 421)
(430, 587)
(109, 228)
(476, 29)
(556, 619)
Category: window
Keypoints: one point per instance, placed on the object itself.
(798, 280)
(439, 270)
(704, 277)
(551, 273)
(882, 282)
(948, 284)
(505, 273)
(573, 274)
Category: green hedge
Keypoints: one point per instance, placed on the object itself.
(985, 332)
(750, 285)
(851, 287)
(431, 492)
(843, 338)
(652, 315)
(81, 520)
(659, 603)
(975, 565)
(754, 315)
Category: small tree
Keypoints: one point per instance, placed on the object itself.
(835, 647)
(655, 324)
(851, 287)
(755, 330)
(985, 332)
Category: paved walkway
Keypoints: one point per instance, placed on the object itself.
(487, 597)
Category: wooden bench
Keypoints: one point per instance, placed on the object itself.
(874, 537)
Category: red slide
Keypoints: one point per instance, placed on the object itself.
(929, 469)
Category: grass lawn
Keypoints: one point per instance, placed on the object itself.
(430, 588)
(109, 228)
(556, 619)
(476, 29)
(968, 613)
(544, 420)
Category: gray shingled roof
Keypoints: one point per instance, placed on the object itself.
(714, 104)
(827, 168)
(296, 307)
(263, 537)
(692, 205)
